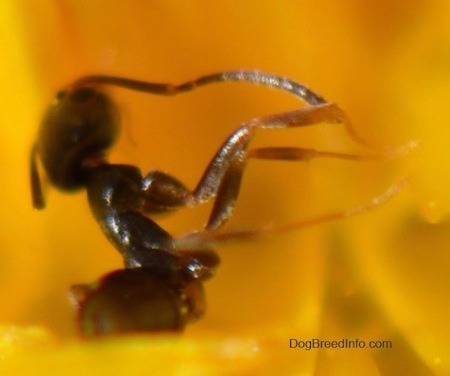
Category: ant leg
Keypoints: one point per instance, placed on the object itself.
(303, 154)
(223, 176)
(205, 238)
(228, 189)
(163, 192)
(227, 193)
(237, 142)
(37, 195)
(239, 139)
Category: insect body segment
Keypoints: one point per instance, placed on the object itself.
(161, 285)
(78, 128)
(137, 300)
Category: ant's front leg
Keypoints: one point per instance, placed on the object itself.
(222, 178)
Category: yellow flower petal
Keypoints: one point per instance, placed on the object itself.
(378, 276)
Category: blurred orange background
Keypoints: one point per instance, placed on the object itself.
(382, 275)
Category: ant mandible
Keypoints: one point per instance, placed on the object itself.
(161, 287)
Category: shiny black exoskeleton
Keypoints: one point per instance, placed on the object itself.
(161, 287)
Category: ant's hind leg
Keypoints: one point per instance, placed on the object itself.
(206, 238)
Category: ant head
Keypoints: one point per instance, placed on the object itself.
(78, 128)
(136, 301)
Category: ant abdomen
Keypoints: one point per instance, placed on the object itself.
(80, 125)
(137, 301)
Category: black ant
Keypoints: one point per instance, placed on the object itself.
(161, 287)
